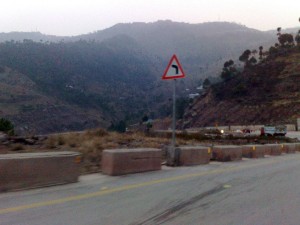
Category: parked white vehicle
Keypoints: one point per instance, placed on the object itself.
(273, 130)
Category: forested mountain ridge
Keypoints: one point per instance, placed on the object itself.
(114, 74)
(202, 48)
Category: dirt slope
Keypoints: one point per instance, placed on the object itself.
(264, 93)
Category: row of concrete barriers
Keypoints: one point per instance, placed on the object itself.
(120, 161)
(33, 170)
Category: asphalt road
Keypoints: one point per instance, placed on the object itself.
(251, 192)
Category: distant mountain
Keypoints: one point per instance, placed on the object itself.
(200, 47)
(34, 36)
(113, 74)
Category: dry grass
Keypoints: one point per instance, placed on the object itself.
(91, 143)
(17, 147)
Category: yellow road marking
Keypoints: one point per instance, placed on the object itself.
(127, 187)
(227, 186)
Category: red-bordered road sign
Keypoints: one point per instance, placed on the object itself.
(174, 69)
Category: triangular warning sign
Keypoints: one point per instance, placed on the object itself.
(173, 70)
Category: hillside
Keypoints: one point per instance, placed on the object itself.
(34, 112)
(107, 80)
(112, 75)
(266, 93)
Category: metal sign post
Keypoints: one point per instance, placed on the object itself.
(173, 71)
(174, 118)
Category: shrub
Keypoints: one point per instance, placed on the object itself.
(61, 140)
(17, 147)
(181, 105)
(120, 127)
(99, 132)
(6, 126)
(51, 142)
(239, 90)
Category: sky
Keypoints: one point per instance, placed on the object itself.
(73, 17)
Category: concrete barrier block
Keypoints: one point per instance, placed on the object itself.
(33, 170)
(124, 161)
(194, 155)
(284, 148)
(253, 151)
(297, 147)
(268, 149)
(275, 149)
(227, 153)
(288, 148)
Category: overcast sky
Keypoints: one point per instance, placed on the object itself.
(72, 17)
